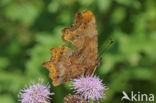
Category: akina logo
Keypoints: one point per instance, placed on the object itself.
(137, 96)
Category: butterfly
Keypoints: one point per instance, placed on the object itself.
(66, 64)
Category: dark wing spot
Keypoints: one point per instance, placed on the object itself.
(77, 35)
(73, 28)
(58, 77)
(84, 27)
(61, 53)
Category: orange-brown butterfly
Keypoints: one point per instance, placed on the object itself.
(66, 64)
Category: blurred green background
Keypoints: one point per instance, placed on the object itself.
(29, 28)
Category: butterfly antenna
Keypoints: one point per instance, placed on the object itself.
(106, 46)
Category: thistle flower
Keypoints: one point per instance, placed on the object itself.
(91, 88)
(35, 93)
(74, 99)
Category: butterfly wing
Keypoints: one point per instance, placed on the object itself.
(64, 65)
(83, 35)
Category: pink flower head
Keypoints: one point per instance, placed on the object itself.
(91, 88)
(74, 99)
(35, 93)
